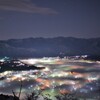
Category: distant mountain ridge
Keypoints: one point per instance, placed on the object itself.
(58, 46)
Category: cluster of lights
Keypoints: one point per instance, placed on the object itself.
(51, 78)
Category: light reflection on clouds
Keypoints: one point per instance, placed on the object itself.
(62, 75)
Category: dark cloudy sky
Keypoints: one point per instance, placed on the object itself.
(49, 18)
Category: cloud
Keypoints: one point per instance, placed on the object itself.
(24, 6)
(86, 71)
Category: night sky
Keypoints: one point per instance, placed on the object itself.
(49, 18)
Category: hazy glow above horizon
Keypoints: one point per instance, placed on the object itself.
(53, 18)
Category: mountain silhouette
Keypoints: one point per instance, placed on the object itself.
(58, 46)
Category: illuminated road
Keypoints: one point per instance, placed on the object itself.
(59, 76)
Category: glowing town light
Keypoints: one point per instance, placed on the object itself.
(46, 69)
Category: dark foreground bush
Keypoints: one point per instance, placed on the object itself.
(7, 97)
(36, 96)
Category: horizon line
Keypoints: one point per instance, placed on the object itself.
(50, 38)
